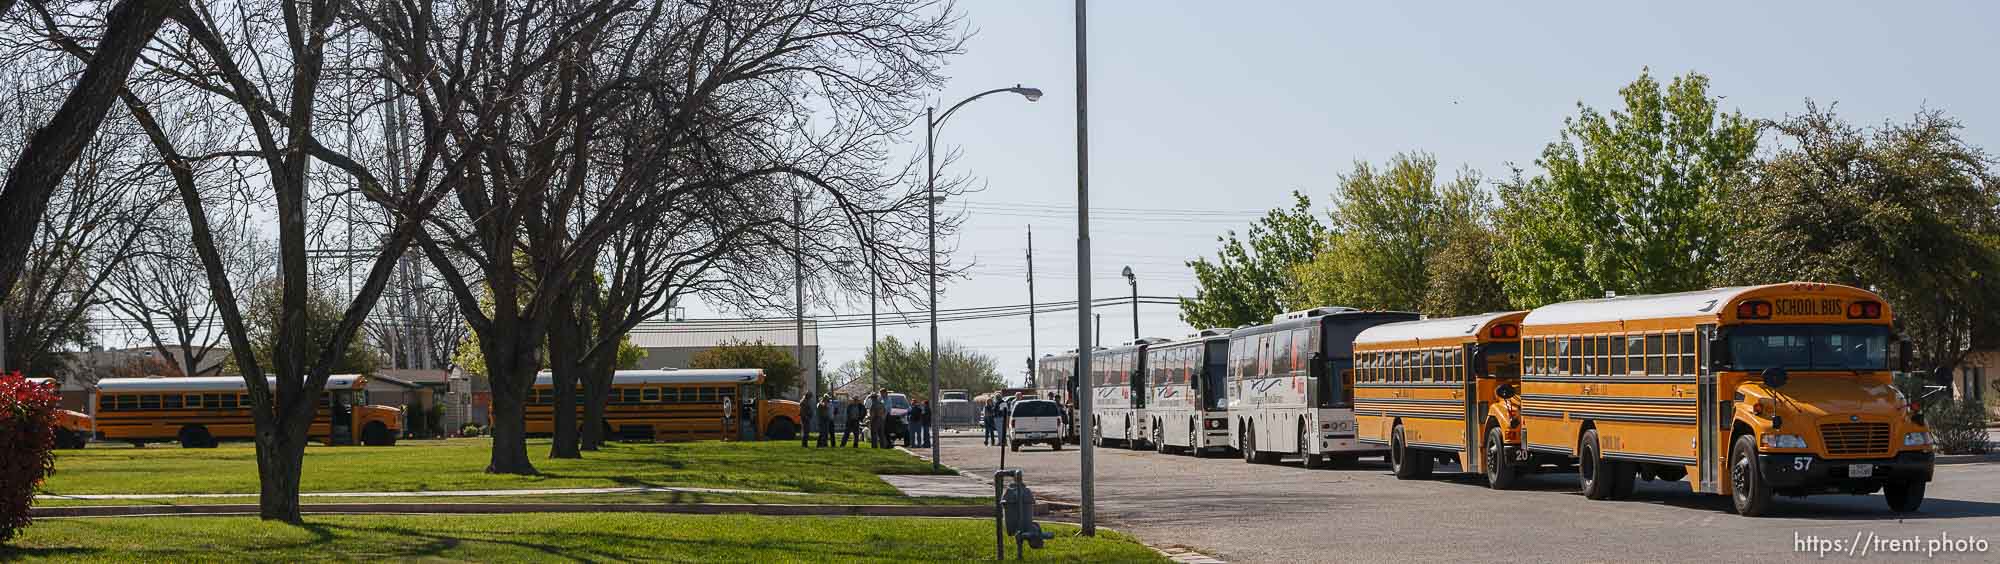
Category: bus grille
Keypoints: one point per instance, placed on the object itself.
(1855, 438)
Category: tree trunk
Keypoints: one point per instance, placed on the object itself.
(597, 372)
(512, 367)
(564, 360)
(281, 456)
(55, 147)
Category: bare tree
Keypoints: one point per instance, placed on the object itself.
(163, 294)
(55, 147)
(516, 109)
(286, 47)
(90, 227)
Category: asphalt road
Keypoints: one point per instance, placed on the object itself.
(1283, 513)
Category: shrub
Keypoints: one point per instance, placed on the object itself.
(1958, 427)
(27, 445)
(469, 430)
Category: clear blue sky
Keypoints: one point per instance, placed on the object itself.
(1228, 106)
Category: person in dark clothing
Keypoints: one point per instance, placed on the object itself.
(915, 437)
(991, 420)
(855, 413)
(822, 420)
(878, 420)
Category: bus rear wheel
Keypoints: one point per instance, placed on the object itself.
(1904, 497)
(196, 437)
(1597, 476)
(1407, 465)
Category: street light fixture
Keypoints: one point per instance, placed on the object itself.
(1134, 281)
(932, 122)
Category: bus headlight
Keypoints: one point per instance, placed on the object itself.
(1783, 441)
(1919, 438)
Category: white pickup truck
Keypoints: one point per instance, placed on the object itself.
(1031, 421)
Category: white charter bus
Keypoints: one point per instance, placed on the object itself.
(1291, 385)
(1054, 381)
(1189, 379)
(1118, 394)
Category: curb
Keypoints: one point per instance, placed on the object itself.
(1967, 458)
(493, 508)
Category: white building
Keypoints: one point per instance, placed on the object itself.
(673, 344)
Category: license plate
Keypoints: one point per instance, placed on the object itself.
(1860, 470)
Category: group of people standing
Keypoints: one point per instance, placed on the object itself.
(871, 413)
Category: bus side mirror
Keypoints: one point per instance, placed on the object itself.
(1903, 356)
(1775, 377)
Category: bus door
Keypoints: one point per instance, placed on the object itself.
(1711, 424)
(1474, 365)
(340, 416)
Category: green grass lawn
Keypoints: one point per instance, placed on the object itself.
(547, 537)
(635, 498)
(460, 464)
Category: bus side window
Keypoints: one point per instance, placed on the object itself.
(170, 401)
(1654, 362)
(107, 403)
(192, 401)
(1635, 355)
(1673, 353)
(1687, 354)
(707, 395)
(650, 395)
(149, 401)
(243, 401)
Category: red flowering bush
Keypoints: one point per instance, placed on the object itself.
(27, 445)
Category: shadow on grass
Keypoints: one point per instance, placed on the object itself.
(12, 553)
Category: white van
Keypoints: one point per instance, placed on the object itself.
(1031, 421)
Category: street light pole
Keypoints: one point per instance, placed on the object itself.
(1134, 281)
(1089, 455)
(932, 122)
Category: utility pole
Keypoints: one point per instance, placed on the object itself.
(1083, 320)
(1031, 304)
(806, 387)
(1097, 324)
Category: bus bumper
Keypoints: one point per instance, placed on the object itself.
(1811, 473)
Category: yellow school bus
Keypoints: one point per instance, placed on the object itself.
(199, 412)
(676, 405)
(1442, 389)
(1749, 391)
(73, 428)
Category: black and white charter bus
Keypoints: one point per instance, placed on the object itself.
(1187, 407)
(1291, 385)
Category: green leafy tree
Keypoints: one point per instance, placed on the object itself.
(1461, 276)
(906, 368)
(781, 371)
(1630, 202)
(1909, 209)
(322, 317)
(1248, 281)
(1388, 225)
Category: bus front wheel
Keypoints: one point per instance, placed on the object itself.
(1499, 470)
(1747, 489)
(1306, 457)
(781, 429)
(1904, 497)
(377, 434)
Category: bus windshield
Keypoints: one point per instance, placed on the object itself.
(1809, 347)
